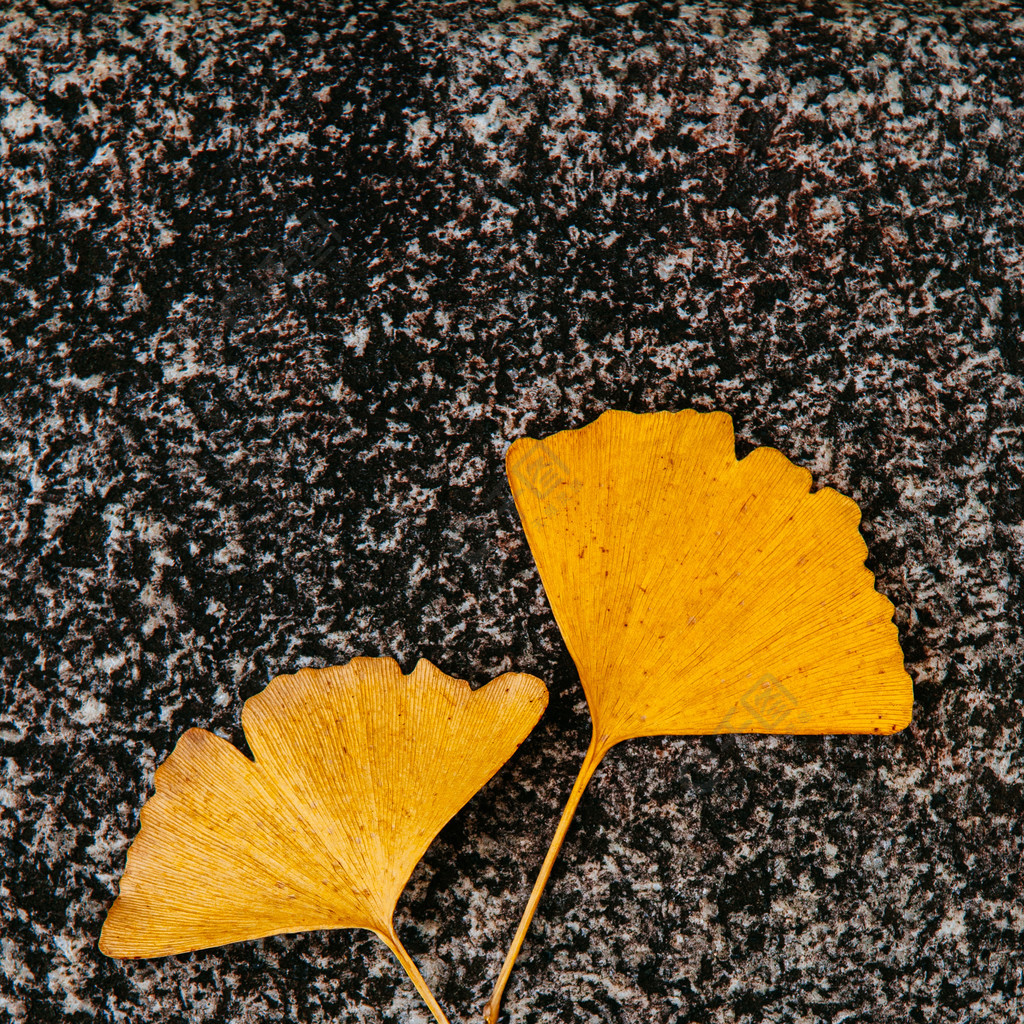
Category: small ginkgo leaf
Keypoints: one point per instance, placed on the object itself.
(699, 594)
(356, 770)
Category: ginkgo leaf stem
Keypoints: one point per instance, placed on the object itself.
(395, 944)
(595, 753)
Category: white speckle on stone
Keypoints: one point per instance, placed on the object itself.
(293, 140)
(420, 135)
(482, 126)
(23, 119)
(90, 711)
(111, 662)
(227, 554)
(358, 339)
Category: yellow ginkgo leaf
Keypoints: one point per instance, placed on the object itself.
(356, 770)
(699, 594)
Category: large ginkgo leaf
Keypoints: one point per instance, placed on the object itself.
(356, 770)
(698, 593)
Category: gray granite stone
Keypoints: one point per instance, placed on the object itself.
(279, 286)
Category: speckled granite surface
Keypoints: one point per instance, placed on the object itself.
(278, 290)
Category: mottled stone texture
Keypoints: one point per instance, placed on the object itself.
(280, 286)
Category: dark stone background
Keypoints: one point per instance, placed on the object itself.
(280, 286)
